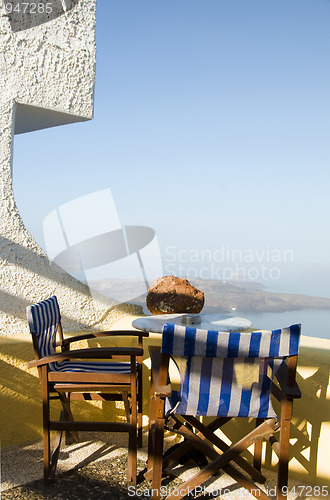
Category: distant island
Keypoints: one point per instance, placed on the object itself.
(252, 297)
(222, 296)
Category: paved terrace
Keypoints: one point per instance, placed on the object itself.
(95, 469)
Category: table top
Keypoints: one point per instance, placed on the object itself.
(208, 321)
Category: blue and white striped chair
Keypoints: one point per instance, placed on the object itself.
(223, 375)
(66, 375)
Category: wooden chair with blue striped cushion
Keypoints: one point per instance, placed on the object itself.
(90, 374)
(223, 375)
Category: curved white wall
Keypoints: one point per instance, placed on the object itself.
(47, 79)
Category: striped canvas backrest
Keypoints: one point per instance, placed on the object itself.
(228, 373)
(44, 318)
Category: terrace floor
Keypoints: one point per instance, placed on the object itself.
(95, 469)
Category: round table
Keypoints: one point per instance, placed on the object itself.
(215, 322)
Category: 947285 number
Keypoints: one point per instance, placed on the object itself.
(29, 8)
(307, 491)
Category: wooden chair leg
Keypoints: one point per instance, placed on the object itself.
(70, 436)
(151, 430)
(155, 444)
(56, 449)
(257, 449)
(126, 406)
(157, 468)
(45, 419)
(132, 439)
(132, 453)
(283, 465)
(140, 410)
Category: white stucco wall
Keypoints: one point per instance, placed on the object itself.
(50, 66)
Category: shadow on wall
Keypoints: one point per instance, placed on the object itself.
(26, 277)
(20, 396)
(27, 274)
(20, 414)
(312, 417)
(18, 255)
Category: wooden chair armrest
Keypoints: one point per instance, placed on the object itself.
(76, 338)
(161, 390)
(97, 353)
(289, 391)
(111, 333)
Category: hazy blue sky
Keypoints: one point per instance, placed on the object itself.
(212, 126)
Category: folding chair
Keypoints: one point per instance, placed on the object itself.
(84, 374)
(223, 375)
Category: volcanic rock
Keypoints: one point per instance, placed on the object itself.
(169, 295)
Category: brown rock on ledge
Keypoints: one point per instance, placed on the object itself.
(169, 295)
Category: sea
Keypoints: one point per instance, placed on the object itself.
(294, 278)
(312, 279)
(306, 279)
(314, 322)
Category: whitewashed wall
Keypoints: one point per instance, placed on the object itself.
(51, 66)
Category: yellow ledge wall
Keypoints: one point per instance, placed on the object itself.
(20, 402)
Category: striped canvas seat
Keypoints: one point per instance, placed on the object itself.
(44, 319)
(227, 374)
(223, 375)
(91, 366)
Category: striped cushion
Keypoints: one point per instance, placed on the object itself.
(90, 366)
(228, 374)
(44, 318)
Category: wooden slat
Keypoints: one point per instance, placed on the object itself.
(108, 334)
(87, 388)
(90, 426)
(90, 378)
(89, 396)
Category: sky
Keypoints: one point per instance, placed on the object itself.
(211, 126)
